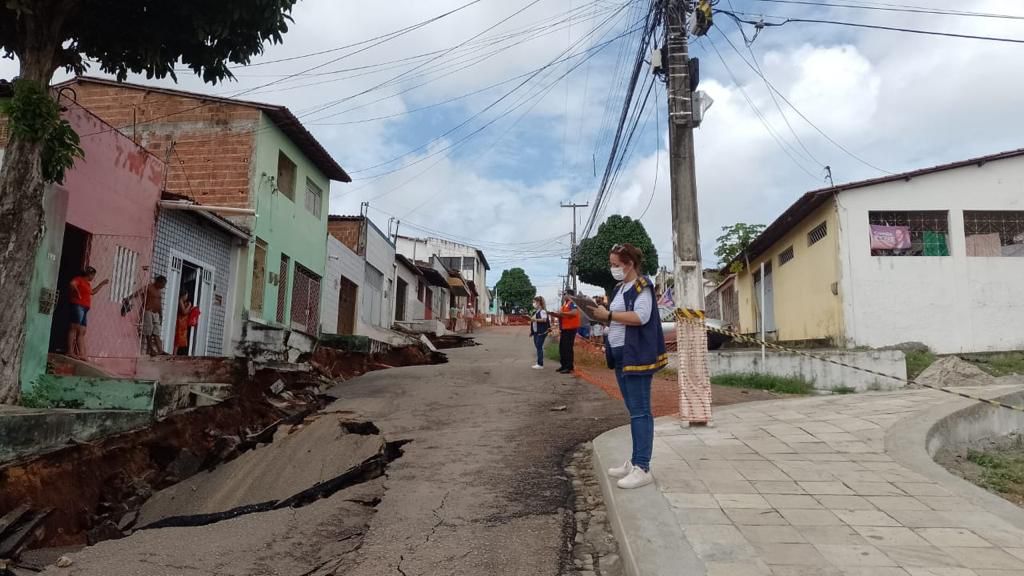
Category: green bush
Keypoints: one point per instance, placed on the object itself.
(780, 384)
(918, 361)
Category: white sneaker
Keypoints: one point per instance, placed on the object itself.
(538, 367)
(636, 479)
(621, 471)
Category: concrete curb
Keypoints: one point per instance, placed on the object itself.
(907, 443)
(656, 544)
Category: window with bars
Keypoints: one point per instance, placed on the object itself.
(785, 256)
(817, 234)
(314, 198)
(122, 281)
(282, 288)
(909, 232)
(286, 175)
(994, 233)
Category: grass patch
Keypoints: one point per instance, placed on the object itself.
(780, 384)
(1000, 472)
(918, 361)
(999, 363)
(551, 350)
(844, 390)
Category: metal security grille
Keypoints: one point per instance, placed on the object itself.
(282, 288)
(817, 234)
(785, 256)
(929, 231)
(306, 301)
(994, 233)
(123, 278)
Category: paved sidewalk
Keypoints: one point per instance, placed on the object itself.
(803, 487)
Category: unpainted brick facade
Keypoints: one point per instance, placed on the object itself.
(208, 146)
(349, 231)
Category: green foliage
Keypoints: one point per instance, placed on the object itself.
(780, 384)
(551, 351)
(734, 241)
(592, 253)
(844, 390)
(34, 116)
(515, 290)
(145, 36)
(1000, 472)
(918, 361)
(999, 363)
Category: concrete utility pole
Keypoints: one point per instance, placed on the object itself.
(695, 385)
(572, 253)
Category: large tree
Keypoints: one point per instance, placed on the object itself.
(515, 290)
(734, 241)
(592, 253)
(120, 36)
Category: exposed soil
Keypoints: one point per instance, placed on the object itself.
(997, 466)
(664, 389)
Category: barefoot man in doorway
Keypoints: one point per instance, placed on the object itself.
(152, 316)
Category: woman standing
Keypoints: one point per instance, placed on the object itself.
(539, 329)
(80, 297)
(182, 325)
(635, 348)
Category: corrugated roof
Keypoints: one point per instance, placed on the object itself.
(280, 115)
(815, 199)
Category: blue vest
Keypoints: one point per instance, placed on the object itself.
(644, 352)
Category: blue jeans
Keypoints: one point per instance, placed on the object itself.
(538, 341)
(636, 392)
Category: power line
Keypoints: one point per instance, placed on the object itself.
(881, 7)
(764, 121)
(788, 20)
(657, 157)
(801, 114)
(653, 13)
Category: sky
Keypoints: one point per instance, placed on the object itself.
(477, 126)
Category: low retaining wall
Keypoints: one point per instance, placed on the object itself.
(29, 432)
(824, 375)
(976, 423)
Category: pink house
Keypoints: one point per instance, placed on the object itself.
(103, 216)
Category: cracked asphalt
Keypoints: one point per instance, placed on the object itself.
(481, 487)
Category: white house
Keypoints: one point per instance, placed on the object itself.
(934, 255)
(467, 260)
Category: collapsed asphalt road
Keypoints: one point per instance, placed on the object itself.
(480, 488)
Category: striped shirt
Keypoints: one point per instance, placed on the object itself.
(643, 306)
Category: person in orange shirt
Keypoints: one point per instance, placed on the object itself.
(80, 295)
(568, 324)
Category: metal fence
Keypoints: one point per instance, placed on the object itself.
(306, 301)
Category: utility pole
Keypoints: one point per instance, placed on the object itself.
(694, 380)
(572, 253)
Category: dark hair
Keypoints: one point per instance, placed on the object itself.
(160, 280)
(88, 270)
(629, 253)
(570, 292)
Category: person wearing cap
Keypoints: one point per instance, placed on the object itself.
(568, 324)
(80, 296)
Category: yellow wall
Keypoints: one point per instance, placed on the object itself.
(805, 307)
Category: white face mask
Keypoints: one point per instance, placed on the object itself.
(619, 273)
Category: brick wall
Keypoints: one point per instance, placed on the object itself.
(348, 232)
(213, 142)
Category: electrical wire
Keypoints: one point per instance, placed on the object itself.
(783, 145)
(790, 20)
(657, 157)
(831, 140)
(899, 8)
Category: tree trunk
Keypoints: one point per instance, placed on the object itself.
(21, 228)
